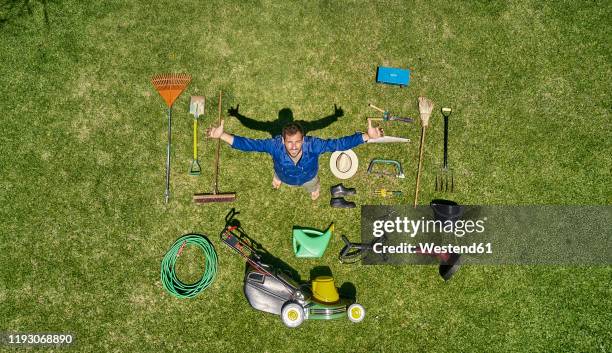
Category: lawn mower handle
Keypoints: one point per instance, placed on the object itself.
(230, 216)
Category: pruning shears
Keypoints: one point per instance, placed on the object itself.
(388, 117)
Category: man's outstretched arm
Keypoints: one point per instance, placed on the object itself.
(239, 142)
(348, 142)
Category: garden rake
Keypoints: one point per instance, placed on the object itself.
(216, 196)
(442, 179)
(425, 109)
(169, 87)
(196, 107)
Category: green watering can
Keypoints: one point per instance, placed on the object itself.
(311, 243)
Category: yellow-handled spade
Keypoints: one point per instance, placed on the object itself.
(196, 107)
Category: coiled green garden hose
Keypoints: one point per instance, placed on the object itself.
(169, 278)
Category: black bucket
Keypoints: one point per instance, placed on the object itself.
(446, 210)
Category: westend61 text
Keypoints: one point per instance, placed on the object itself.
(432, 248)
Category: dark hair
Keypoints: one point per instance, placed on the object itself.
(291, 129)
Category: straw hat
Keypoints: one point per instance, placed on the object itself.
(343, 164)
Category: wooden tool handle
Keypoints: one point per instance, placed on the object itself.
(215, 188)
(375, 107)
(418, 180)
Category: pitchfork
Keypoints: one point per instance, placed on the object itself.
(442, 179)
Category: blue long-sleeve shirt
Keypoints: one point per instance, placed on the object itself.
(308, 166)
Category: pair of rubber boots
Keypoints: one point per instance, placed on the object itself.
(338, 192)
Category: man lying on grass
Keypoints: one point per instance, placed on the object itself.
(295, 156)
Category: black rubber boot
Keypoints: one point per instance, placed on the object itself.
(446, 210)
(340, 202)
(341, 191)
(448, 268)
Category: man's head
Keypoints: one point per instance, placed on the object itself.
(293, 137)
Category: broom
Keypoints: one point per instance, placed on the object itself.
(169, 87)
(215, 196)
(425, 109)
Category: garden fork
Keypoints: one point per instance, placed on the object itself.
(445, 179)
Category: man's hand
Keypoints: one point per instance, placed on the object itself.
(374, 132)
(216, 132)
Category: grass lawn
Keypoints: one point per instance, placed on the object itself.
(82, 153)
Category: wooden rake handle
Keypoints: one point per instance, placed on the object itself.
(418, 179)
(215, 187)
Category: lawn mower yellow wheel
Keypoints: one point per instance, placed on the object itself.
(355, 312)
(292, 315)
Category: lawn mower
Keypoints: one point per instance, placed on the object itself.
(272, 290)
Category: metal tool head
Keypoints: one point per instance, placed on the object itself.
(388, 139)
(170, 86)
(401, 119)
(399, 172)
(197, 105)
(445, 180)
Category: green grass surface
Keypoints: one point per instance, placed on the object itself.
(82, 153)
